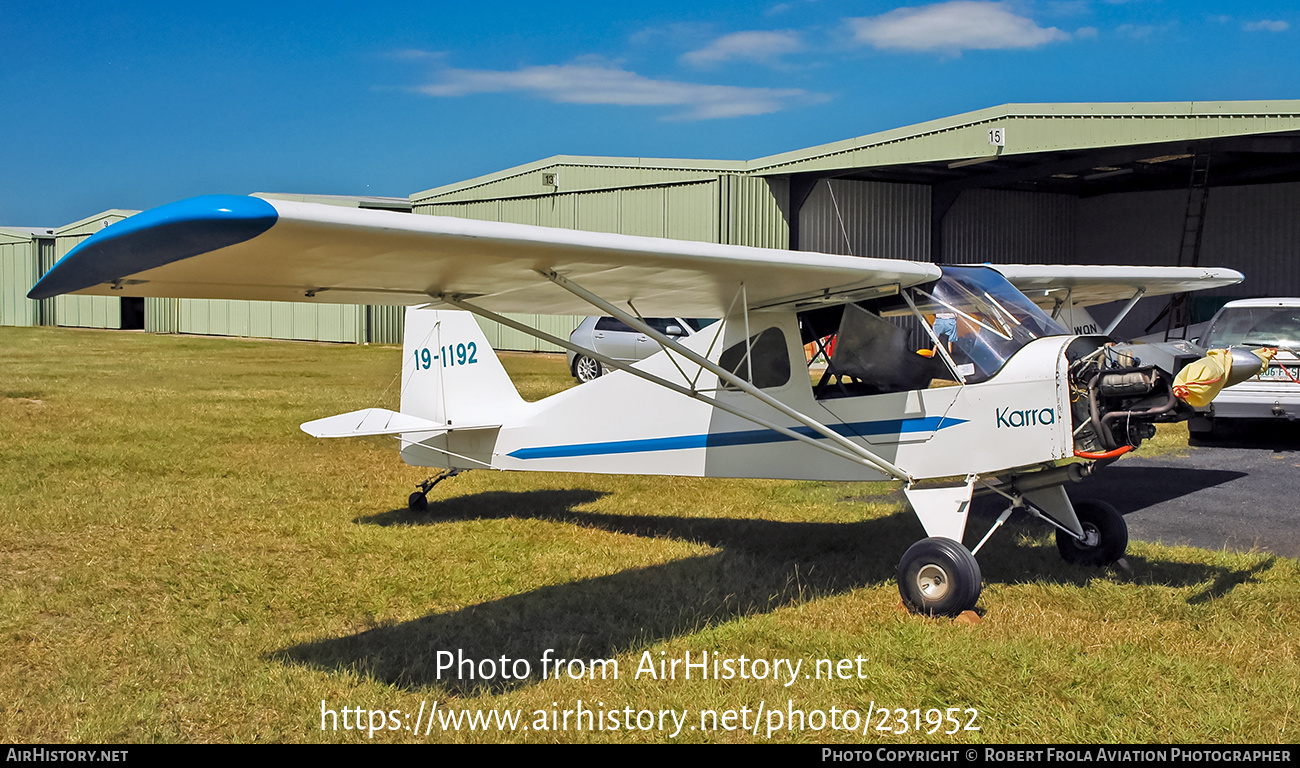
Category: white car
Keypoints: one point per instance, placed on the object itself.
(1273, 394)
(613, 338)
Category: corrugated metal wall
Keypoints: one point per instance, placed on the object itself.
(1252, 229)
(755, 211)
(49, 253)
(162, 315)
(19, 268)
(680, 211)
(274, 320)
(885, 221)
(384, 324)
(1004, 227)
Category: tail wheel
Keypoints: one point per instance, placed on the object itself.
(939, 577)
(1105, 535)
(585, 369)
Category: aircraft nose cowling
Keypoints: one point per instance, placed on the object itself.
(156, 237)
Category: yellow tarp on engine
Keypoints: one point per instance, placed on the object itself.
(1199, 382)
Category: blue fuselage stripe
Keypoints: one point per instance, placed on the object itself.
(721, 439)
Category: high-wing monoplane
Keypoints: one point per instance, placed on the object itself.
(953, 380)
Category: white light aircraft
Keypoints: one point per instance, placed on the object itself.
(952, 380)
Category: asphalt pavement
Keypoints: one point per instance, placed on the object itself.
(1240, 492)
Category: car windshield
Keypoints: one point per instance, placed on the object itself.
(1256, 327)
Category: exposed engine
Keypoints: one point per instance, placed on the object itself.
(1116, 401)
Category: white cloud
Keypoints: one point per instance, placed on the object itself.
(953, 27)
(1086, 33)
(1266, 25)
(750, 46)
(590, 81)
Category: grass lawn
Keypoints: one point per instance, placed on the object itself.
(178, 562)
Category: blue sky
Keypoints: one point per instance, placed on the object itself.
(135, 104)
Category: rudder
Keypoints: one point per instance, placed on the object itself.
(450, 375)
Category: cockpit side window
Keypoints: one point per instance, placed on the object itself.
(765, 354)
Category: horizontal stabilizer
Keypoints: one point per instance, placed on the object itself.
(369, 421)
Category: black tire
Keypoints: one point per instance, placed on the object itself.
(939, 577)
(585, 369)
(418, 502)
(1105, 536)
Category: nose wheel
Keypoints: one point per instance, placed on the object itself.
(939, 577)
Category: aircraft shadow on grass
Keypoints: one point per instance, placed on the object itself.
(1132, 488)
(763, 565)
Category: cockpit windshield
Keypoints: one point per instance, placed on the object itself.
(961, 328)
(980, 319)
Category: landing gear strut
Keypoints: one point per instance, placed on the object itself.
(419, 501)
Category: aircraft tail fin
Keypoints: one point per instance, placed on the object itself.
(450, 375)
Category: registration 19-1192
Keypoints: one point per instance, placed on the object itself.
(450, 355)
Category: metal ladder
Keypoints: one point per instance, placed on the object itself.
(1178, 313)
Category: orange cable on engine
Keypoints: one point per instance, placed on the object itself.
(1107, 455)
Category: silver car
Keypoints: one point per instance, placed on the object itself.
(1273, 394)
(615, 339)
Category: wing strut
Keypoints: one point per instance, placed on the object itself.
(1123, 313)
(687, 391)
(743, 385)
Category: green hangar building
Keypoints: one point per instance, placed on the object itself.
(1180, 183)
(1208, 183)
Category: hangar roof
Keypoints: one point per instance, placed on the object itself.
(579, 173)
(92, 224)
(23, 234)
(1078, 149)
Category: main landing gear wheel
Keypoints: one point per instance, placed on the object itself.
(939, 577)
(418, 502)
(585, 369)
(1105, 535)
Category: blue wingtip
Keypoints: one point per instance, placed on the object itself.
(156, 237)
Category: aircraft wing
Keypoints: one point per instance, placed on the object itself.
(1086, 286)
(233, 247)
